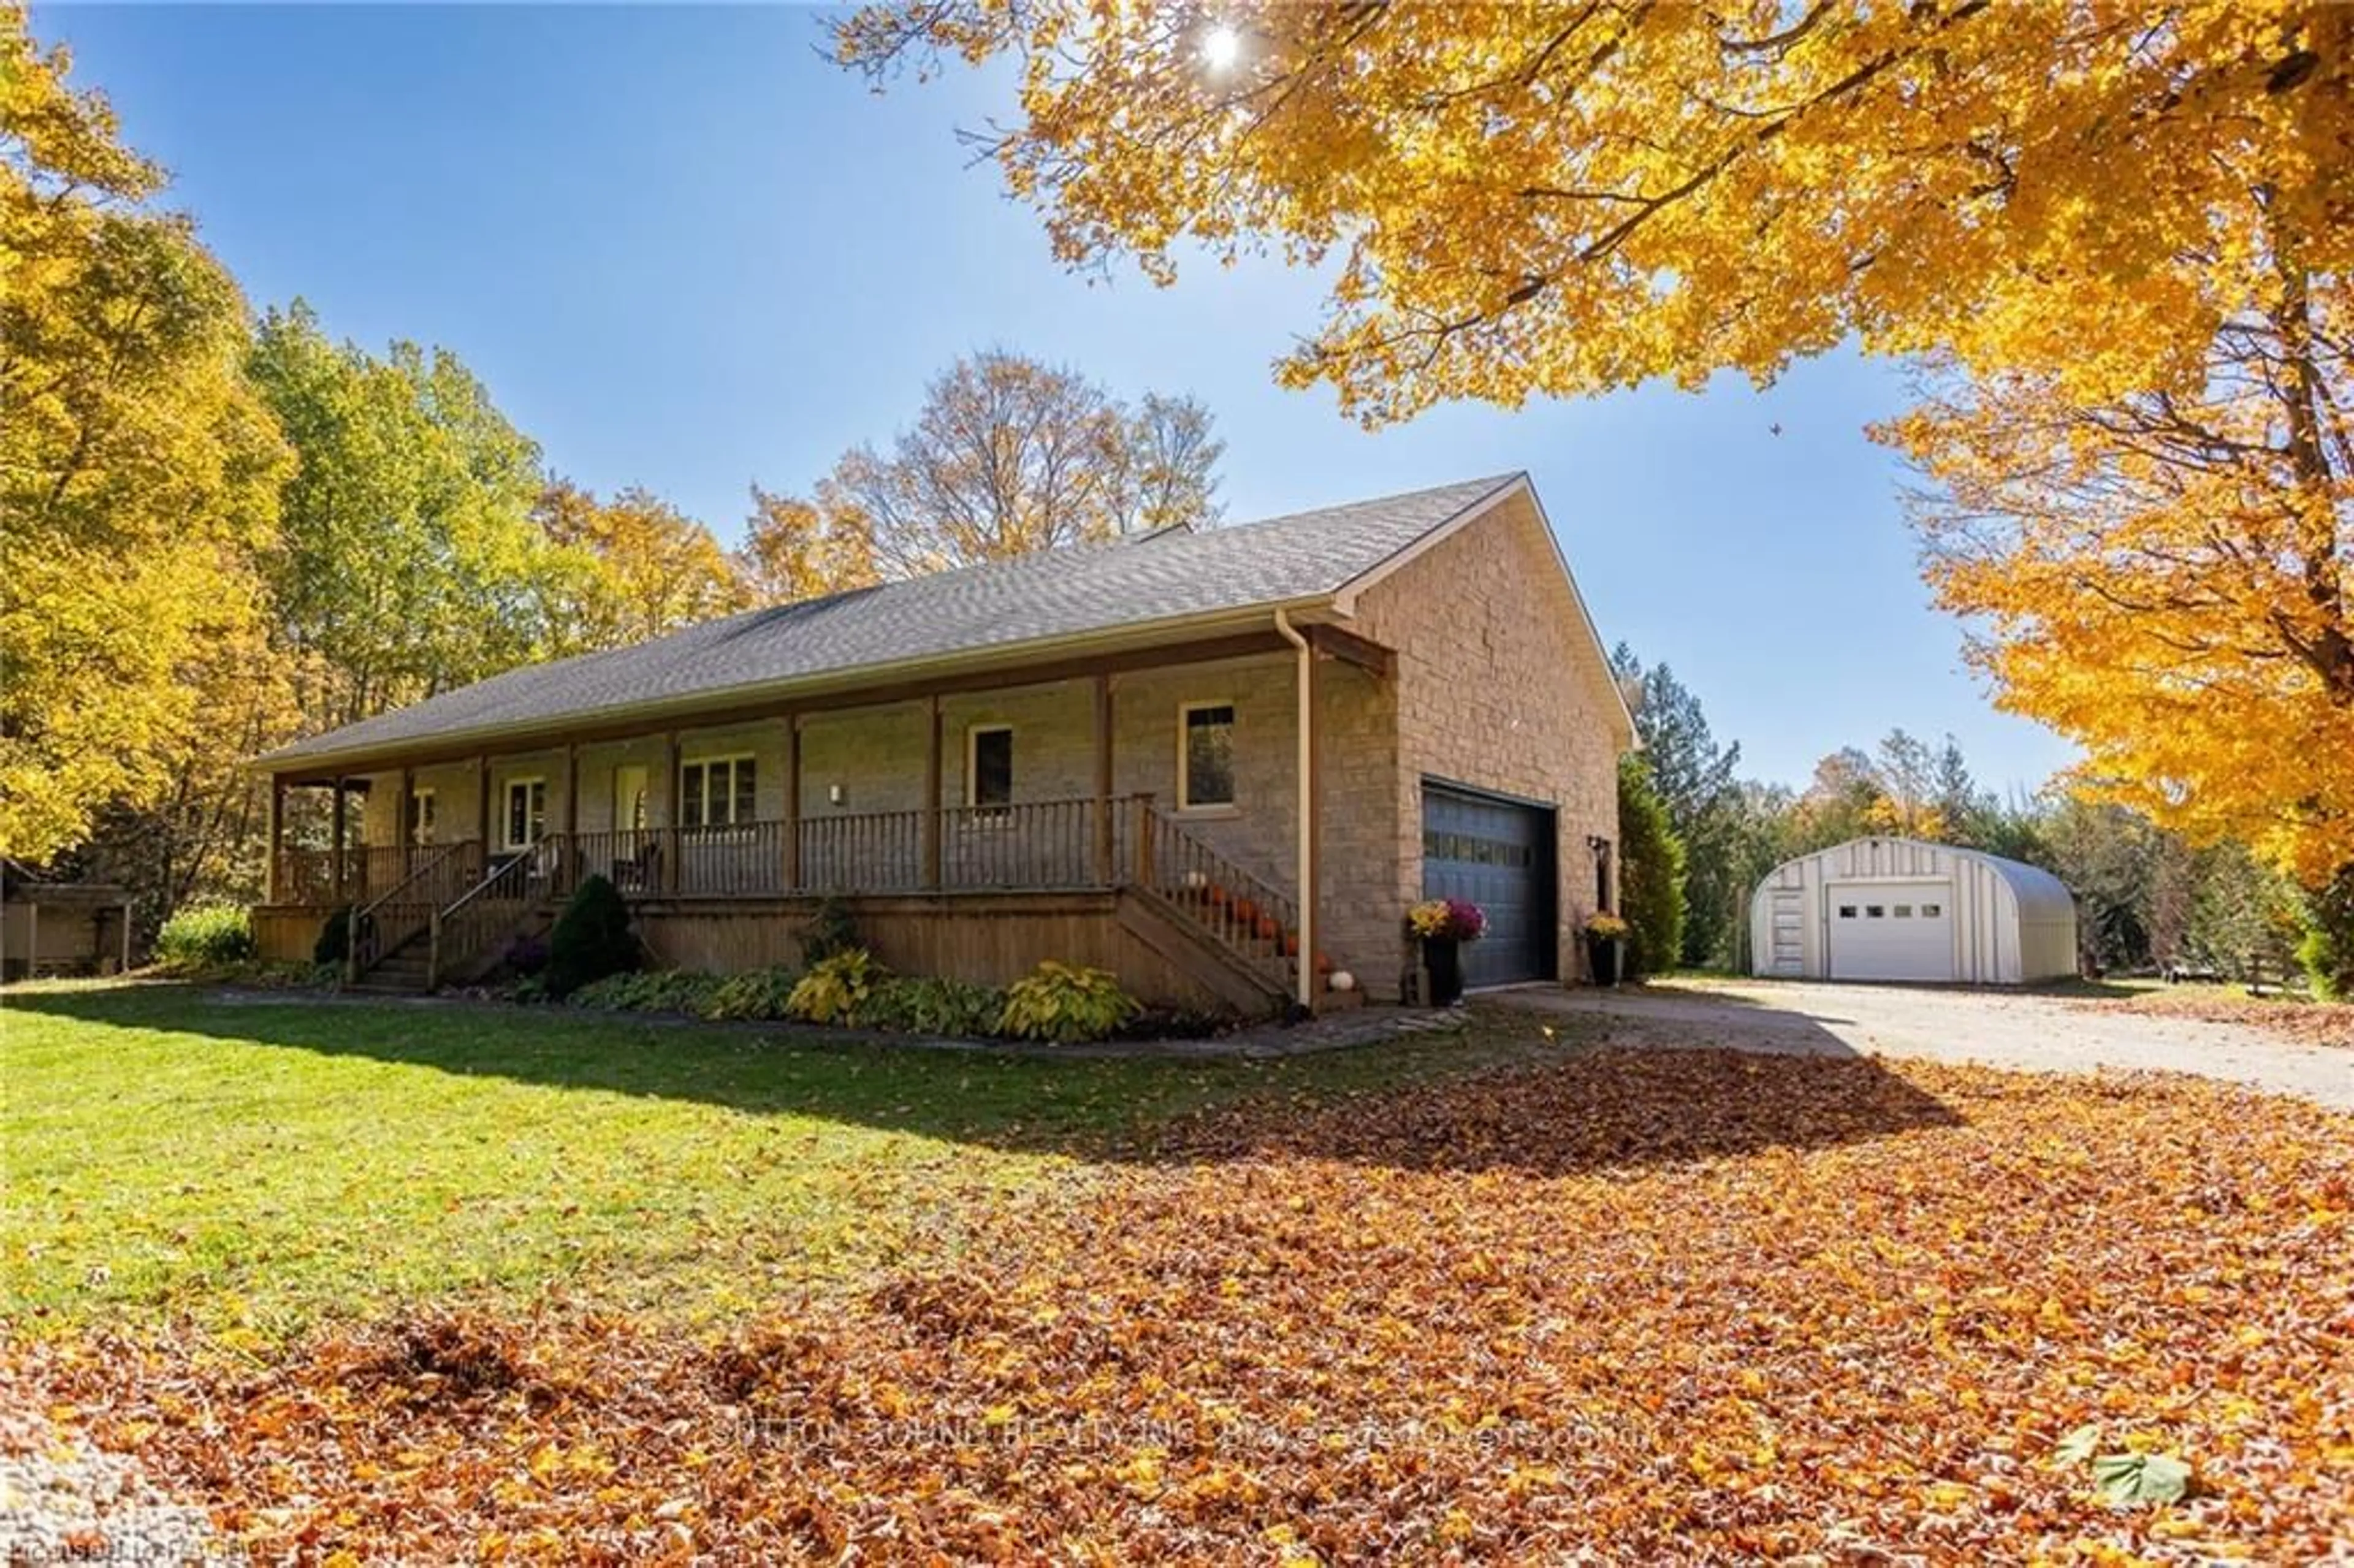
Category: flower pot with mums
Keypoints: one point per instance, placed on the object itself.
(1443, 925)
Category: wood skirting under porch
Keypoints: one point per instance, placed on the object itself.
(985, 937)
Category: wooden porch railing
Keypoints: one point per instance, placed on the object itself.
(369, 872)
(866, 851)
(1248, 915)
(485, 912)
(466, 902)
(441, 873)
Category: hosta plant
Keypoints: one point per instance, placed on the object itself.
(1065, 1003)
(836, 988)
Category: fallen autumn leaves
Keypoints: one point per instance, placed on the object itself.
(1666, 1306)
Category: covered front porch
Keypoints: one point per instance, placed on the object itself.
(1182, 780)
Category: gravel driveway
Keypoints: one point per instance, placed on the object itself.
(2040, 1033)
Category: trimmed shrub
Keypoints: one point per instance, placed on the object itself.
(934, 1007)
(836, 988)
(1065, 1003)
(204, 936)
(831, 931)
(763, 993)
(592, 938)
(335, 943)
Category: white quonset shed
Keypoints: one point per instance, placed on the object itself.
(1897, 909)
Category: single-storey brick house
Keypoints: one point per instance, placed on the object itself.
(1193, 758)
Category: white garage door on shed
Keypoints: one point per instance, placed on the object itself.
(1898, 909)
(1892, 930)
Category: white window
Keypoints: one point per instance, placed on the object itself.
(989, 765)
(1205, 755)
(526, 811)
(716, 792)
(421, 816)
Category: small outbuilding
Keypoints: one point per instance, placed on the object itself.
(60, 927)
(1898, 909)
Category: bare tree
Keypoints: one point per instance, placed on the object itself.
(1010, 456)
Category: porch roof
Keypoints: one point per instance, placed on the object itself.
(1062, 600)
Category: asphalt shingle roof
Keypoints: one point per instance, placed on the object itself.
(995, 606)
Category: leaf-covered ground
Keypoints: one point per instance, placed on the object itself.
(2303, 1022)
(1646, 1307)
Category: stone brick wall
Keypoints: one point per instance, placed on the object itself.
(1499, 686)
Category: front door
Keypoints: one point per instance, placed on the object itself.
(527, 812)
(630, 798)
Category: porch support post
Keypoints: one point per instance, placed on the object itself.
(340, 811)
(402, 834)
(931, 818)
(1105, 869)
(272, 889)
(1304, 677)
(567, 854)
(671, 791)
(792, 847)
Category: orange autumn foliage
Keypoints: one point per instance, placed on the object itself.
(2124, 231)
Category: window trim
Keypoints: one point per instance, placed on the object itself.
(1186, 804)
(420, 811)
(973, 734)
(706, 762)
(507, 786)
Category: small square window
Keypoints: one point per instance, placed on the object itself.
(1205, 759)
(1847, 911)
(1931, 911)
(1874, 911)
(1905, 911)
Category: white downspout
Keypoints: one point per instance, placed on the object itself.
(1306, 961)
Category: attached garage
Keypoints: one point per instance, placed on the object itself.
(1897, 909)
(1498, 852)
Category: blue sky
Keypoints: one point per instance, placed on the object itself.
(684, 251)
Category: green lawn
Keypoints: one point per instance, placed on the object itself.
(252, 1163)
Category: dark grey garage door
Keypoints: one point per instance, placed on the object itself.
(1499, 854)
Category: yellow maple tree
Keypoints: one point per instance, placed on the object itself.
(2091, 203)
(797, 549)
(138, 472)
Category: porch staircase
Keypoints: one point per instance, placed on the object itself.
(423, 935)
(1229, 928)
(401, 972)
